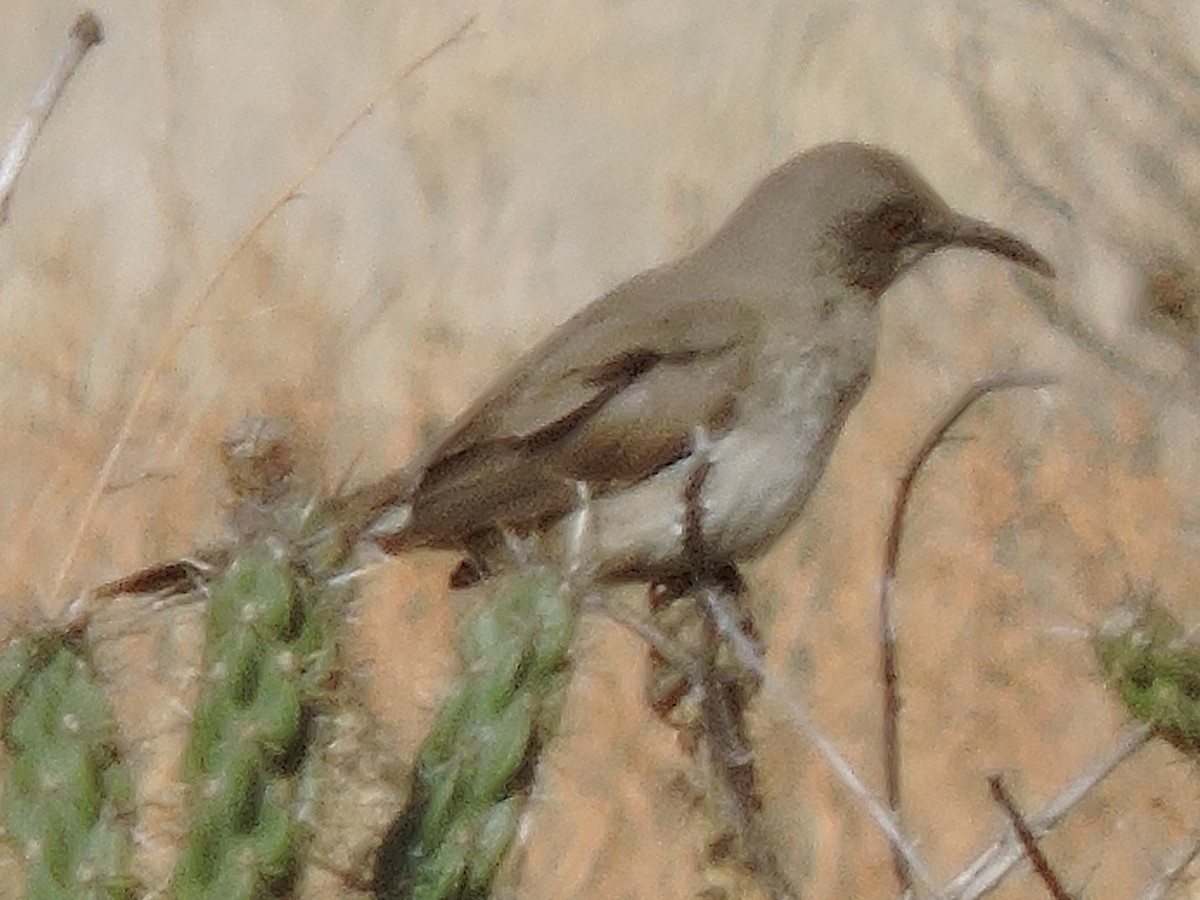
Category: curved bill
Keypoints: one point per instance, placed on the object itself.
(964, 231)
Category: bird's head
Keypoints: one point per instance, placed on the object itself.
(858, 214)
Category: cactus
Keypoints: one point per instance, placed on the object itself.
(269, 691)
(269, 649)
(477, 763)
(67, 797)
(1155, 669)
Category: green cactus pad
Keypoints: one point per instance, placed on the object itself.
(67, 798)
(1154, 667)
(268, 651)
(475, 767)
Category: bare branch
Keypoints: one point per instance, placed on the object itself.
(1175, 866)
(1041, 865)
(647, 631)
(887, 584)
(883, 818)
(990, 866)
(86, 33)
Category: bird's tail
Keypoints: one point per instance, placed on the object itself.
(375, 513)
(378, 512)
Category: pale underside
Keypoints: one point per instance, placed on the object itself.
(585, 449)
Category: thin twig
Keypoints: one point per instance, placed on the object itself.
(746, 654)
(85, 34)
(887, 583)
(723, 702)
(661, 643)
(189, 318)
(1041, 865)
(990, 866)
(1174, 868)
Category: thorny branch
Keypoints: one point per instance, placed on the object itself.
(1029, 843)
(990, 866)
(743, 648)
(887, 582)
(85, 34)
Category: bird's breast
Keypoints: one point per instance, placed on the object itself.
(760, 471)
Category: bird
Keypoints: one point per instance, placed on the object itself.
(681, 421)
(673, 429)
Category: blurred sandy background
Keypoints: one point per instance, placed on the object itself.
(551, 152)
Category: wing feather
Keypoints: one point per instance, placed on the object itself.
(611, 398)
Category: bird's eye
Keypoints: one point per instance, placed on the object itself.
(898, 222)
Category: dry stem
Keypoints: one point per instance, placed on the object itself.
(173, 340)
(85, 34)
(887, 584)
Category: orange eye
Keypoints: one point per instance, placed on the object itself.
(897, 225)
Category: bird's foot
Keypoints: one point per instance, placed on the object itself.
(721, 576)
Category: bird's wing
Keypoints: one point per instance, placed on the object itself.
(609, 399)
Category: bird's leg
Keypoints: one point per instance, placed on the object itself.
(474, 567)
(519, 548)
(577, 532)
(469, 572)
(675, 694)
(676, 681)
(708, 704)
(695, 554)
(679, 696)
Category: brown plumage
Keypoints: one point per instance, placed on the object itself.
(759, 343)
(692, 409)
